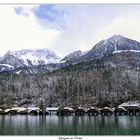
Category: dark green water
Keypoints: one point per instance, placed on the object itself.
(69, 125)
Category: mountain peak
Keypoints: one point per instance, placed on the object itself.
(115, 38)
(73, 55)
(114, 44)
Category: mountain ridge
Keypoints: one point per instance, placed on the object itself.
(116, 45)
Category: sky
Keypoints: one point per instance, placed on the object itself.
(65, 28)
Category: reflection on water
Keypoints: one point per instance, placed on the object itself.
(69, 125)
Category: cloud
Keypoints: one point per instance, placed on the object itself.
(86, 25)
(124, 25)
(77, 27)
(54, 26)
(50, 16)
(65, 28)
(25, 9)
(18, 31)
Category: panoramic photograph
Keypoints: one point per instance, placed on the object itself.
(70, 69)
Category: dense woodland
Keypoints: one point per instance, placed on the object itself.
(84, 84)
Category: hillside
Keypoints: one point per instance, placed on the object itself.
(79, 85)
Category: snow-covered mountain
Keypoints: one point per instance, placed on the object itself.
(73, 55)
(29, 57)
(112, 45)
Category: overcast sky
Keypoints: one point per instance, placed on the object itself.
(65, 28)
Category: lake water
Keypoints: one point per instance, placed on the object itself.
(69, 125)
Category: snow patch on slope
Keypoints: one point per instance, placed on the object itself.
(18, 72)
(6, 65)
(119, 51)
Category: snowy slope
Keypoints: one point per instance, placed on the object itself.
(120, 51)
(5, 67)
